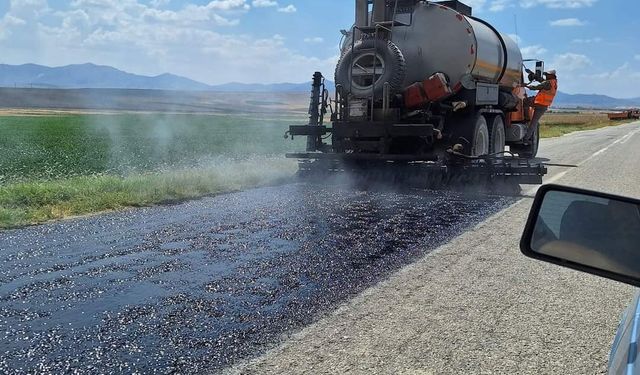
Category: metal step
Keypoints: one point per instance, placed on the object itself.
(386, 25)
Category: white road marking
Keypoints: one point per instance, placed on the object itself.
(620, 140)
(629, 136)
(558, 176)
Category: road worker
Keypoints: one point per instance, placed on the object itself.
(547, 90)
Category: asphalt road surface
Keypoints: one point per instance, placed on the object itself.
(476, 305)
(195, 287)
(324, 279)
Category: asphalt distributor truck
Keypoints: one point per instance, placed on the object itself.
(424, 88)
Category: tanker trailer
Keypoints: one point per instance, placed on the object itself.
(423, 82)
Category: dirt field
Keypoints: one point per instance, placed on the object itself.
(555, 124)
(192, 102)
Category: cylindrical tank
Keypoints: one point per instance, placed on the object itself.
(436, 39)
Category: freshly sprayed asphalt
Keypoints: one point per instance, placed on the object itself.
(198, 286)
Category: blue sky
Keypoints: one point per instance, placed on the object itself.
(594, 44)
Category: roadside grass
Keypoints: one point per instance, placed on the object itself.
(559, 124)
(35, 202)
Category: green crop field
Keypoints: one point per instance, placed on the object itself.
(58, 166)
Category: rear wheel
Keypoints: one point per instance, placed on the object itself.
(497, 136)
(531, 150)
(480, 136)
(471, 131)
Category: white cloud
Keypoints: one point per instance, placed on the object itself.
(516, 38)
(288, 9)
(567, 22)
(272, 3)
(499, 5)
(159, 3)
(637, 57)
(587, 41)
(264, 3)
(577, 75)
(29, 7)
(140, 38)
(570, 62)
(558, 4)
(10, 20)
(227, 4)
(315, 40)
(19, 16)
(532, 52)
(621, 71)
(621, 82)
(188, 16)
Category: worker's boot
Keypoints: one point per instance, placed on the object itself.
(528, 138)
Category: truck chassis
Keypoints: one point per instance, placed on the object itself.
(423, 166)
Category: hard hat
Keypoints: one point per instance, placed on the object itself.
(551, 72)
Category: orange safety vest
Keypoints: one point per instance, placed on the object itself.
(545, 97)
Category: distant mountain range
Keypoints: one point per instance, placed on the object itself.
(89, 76)
(593, 101)
(106, 77)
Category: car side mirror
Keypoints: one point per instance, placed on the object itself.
(587, 231)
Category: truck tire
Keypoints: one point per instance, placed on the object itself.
(497, 135)
(473, 129)
(480, 136)
(391, 57)
(530, 151)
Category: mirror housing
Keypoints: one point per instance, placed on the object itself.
(540, 69)
(585, 230)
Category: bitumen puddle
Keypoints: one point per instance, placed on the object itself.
(198, 286)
